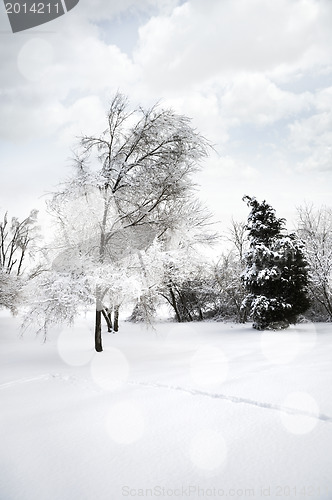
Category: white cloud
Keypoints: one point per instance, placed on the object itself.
(203, 106)
(253, 98)
(312, 136)
(203, 40)
(28, 115)
(85, 116)
(228, 166)
(200, 56)
(52, 74)
(229, 65)
(98, 10)
(224, 62)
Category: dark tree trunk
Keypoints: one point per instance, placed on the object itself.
(173, 301)
(98, 343)
(116, 318)
(109, 315)
(184, 306)
(108, 319)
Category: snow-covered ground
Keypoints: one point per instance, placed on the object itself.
(204, 410)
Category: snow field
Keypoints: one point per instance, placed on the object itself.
(198, 410)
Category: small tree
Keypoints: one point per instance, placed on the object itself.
(187, 284)
(276, 277)
(17, 244)
(228, 271)
(315, 229)
(187, 287)
(229, 287)
(144, 310)
(237, 236)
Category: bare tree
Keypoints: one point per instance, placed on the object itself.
(315, 229)
(17, 243)
(230, 289)
(237, 235)
(186, 286)
(228, 271)
(128, 186)
(16, 238)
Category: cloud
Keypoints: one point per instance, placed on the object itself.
(231, 65)
(51, 74)
(101, 10)
(253, 98)
(311, 136)
(201, 40)
(203, 106)
(228, 166)
(85, 116)
(221, 73)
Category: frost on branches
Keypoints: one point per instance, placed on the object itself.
(17, 249)
(315, 229)
(131, 186)
(276, 277)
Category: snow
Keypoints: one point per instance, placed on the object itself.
(201, 410)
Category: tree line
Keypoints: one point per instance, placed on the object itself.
(129, 229)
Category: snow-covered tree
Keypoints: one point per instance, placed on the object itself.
(130, 186)
(315, 229)
(187, 281)
(237, 236)
(144, 310)
(229, 287)
(276, 277)
(186, 285)
(56, 298)
(17, 245)
(11, 287)
(228, 271)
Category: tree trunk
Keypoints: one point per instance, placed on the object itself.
(184, 305)
(173, 302)
(99, 305)
(116, 318)
(109, 315)
(243, 316)
(201, 317)
(108, 319)
(98, 343)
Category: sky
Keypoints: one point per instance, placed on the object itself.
(255, 76)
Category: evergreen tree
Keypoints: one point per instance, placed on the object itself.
(276, 276)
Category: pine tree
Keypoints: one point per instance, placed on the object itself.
(276, 276)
